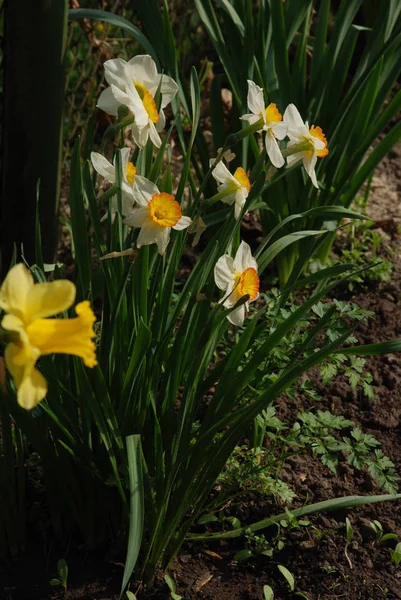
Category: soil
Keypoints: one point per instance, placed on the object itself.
(315, 555)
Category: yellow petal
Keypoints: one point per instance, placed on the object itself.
(31, 385)
(49, 299)
(15, 290)
(66, 336)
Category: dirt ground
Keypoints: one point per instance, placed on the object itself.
(315, 555)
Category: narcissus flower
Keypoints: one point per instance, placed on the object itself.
(108, 171)
(271, 122)
(237, 277)
(28, 306)
(312, 142)
(232, 188)
(134, 84)
(157, 213)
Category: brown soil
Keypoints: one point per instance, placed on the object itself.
(315, 555)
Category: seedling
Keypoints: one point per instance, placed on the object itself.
(381, 537)
(268, 593)
(288, 576)
(349, 534)
(171, 584)
(62, 570)
(131, 596)
(396, 555)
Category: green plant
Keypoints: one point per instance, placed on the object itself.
(171, 584)
(349, 535)
(396, 555)
(268, 593)
(381, 537)
(150, 428)
(62, 571)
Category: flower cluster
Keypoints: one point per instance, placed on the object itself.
(306, 144)
(134, 84)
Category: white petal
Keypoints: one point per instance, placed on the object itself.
(280, 130)
(273, 150)
(154, 136)
(142, 68)
(147, 234)
(121, 96)
(126, 204)
(243, 259)
(183, 223)
(140, 135)
(162, 239)
(221, 173)
(237, 316)
(114, 72)
(168, 90)
(103, 167)
(256, 103)
(240, 199)
(294, 158)
(309, 165)
(160, 125)
(251, 119)
(292, 118)
(108, 103)
(144, 190)
(318, 144)
(138, 218)
(224, 272)
(230, 198)
(125, 152)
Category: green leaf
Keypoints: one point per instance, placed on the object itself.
(137, 508)
(268, 592)
(318, 507)
(288, 576)
(108, 17)
(373, 349)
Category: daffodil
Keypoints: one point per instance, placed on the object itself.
(134, 84)
(28, 306)
(271, 122)
(108, 171)
(312, 142)
(237, 277)
(233, 189)
(157, 213)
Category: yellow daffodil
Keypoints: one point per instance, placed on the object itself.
(232, 188)
(134, 84)
(157, 214)
(271, 122)
(237, 277)
(312, 142)
(28, 306)
(108, 171)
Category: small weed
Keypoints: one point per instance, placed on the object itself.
(381, 537)
(62, 570)
(396, 555)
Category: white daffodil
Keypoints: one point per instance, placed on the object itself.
(312, 142)
(237, 277)
(134, 84)
(108, 171)
(271, 122)
(156, 215)
(232, 188)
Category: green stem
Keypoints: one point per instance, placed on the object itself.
(326, 505)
